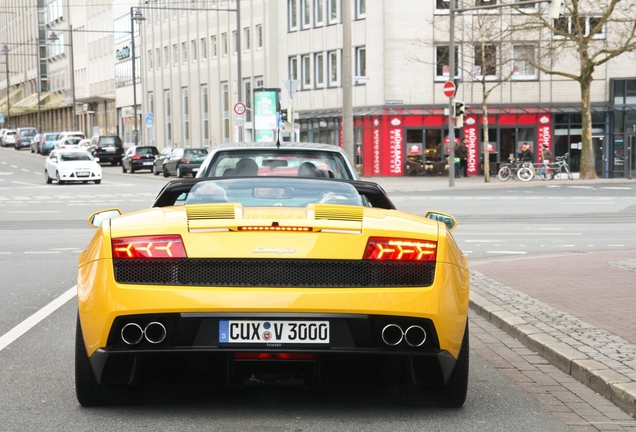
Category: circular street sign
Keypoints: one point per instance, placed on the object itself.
(239, 108)
(449, 89)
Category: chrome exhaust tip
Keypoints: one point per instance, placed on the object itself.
(392, 334)
(155, 332)
(132, 334)
(415, 336)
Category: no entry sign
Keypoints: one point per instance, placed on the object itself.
(449, 89)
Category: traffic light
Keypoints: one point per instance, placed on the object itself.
(284, 115)
(460, 109)
(286, 118)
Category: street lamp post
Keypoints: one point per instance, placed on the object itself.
(134, 17)
(5, 51)
(54, 38)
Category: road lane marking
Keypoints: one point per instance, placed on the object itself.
(26, 325)
(507, 252)
(41, 252)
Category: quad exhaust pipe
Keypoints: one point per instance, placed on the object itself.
(154, 332)
(392, 335)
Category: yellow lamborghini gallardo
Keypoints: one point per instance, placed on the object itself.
(314, 282)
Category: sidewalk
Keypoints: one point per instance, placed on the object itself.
(577, 310)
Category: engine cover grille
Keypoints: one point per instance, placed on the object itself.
(273, 273)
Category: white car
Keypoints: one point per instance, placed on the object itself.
(8, 138)
(64, 135)
(71, 165)
(68, 143)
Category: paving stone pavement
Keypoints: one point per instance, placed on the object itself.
(589, 352)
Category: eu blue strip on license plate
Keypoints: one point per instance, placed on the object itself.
(284, 332)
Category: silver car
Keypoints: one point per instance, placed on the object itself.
(9, 138)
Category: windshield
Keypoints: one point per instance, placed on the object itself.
(277, 192)
(75, 156)
(279, 162)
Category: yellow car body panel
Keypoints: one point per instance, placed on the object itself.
(101, 299)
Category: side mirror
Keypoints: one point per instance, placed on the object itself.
(447, 219)
(96, 219)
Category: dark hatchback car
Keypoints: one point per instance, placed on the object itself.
(163, 156)
(107, 149)
(138, 158)
(184, 162)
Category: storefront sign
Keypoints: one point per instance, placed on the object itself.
(472, 144)
(266, 106)
(376, 147)
(545, 131)
(396, 148)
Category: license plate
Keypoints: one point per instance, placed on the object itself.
(195, 169)
(110, 149)
(266, 331)
(82, 174)
(148, 163)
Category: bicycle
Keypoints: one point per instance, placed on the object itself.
(516, 169)
(555, 169)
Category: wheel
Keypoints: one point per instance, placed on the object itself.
(165, 172)
(57, 178)
(570, 176)
(89, 392)
(153, 170)
(504, 173)
(98, 181)
(123, 168)
(451, 395)
(132, 169)
(32, 151)
(113, 163)
(179, 173)
(525, 174)
(48, 179)
(85, 182)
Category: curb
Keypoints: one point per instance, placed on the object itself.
(603, 379)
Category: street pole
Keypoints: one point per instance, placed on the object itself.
(134, 77)
(239, 80)
(39, 87)
(451, 99)
(6, 63)
(347, 83)
(72, 76)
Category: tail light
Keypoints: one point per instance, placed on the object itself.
(396, 249)
(170, 246)
(185, 160)
(136, 156)
(273, 356)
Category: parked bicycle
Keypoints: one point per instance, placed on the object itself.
(552, 170)
(523, 171)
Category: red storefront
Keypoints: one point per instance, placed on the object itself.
(389, 140)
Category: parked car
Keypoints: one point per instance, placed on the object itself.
(184, 161)
(68, 134)
(85, 145)
(25, 137)
(35, 143)
(46, 142)
(8, 138)
(277, 159)
(157, 167)
(68, 143)
(107, 149)
(139, 157)
(71, 165)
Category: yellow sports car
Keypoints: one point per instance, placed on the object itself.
(314, 282)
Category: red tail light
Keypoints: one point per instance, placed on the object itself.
(273, 356)
(136, 156)
(185, 160)
(149, 247)
(395, 249)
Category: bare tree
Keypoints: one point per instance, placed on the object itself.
(592, 32)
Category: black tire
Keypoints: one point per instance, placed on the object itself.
(504, 173)
(57, 178)
(451, 395)
(165, 172)
(89, 392)
(525, 174)
(132, 169)
(179, 173)
(113, 163)
(123, 169)
(48, 179)
(98, 181)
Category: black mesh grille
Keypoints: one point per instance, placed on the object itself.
(273, 273)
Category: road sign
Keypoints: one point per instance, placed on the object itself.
(150, 120)
(239, 119)
(449, 89)
(239, 108)
(291, 86)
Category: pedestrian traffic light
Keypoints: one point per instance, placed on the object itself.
(285, 116)
(460, 109)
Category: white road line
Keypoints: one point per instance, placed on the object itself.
(482, 241)
(507, 252)
(617, 188)
(41, 252)
(26, 325)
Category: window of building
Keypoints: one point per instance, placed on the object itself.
(334, 71)
(175, 54)
(193, 50)
(247, 97)
(151, 111)
(259, 82)
(361, 8)
(259, 36)
(566, 25)
(319, 69)
(523, 56)
(332, 11)
(247, 41)
(306, 65)
(442, 67)
(292, 13)
(224, 44)
(225, 112)
(184, 51)
(319, 13)
(293, 68)
(166, 56)
(185, 116)
(150, 54)
(485, 2)
(158, 58)
(234, 42)
(525, 6)
(213, 47)
(485, 63)
(205, 120)
(305, 13)
(441, 5)
(167, 121)
(361, 61)
(204, 49)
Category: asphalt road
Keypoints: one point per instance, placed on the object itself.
(43, 229)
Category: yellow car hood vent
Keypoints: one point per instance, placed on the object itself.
(338, 212)
(213, 211)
